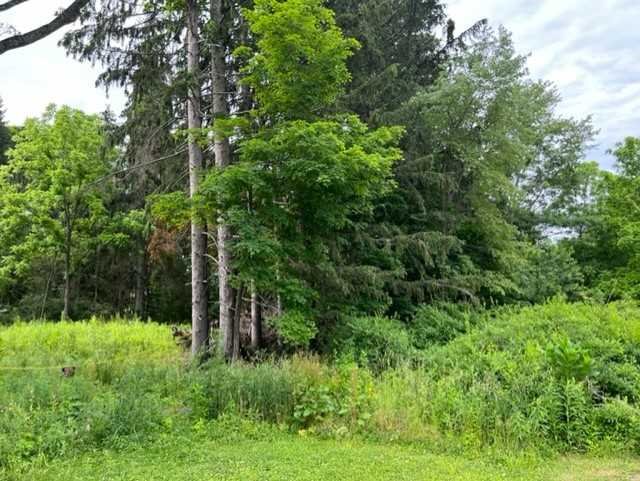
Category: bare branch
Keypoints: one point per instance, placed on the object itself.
(10, 4)
(67, 16)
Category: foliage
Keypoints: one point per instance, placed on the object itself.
(294, 328)
(569, 361)
(299, 67)
(84, 343)
(5, 136)
(294, 189)
(53, 205)
(440, 323)
(507, 374)
(608, 234)
(496, 387)
(386, 73)
(548, 270)
(333, 212)
(339, 404)
(376, 341)
(483, 143)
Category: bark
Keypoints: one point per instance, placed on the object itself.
(67, 273)
(199, 298)
(47, 289)
(10, 4)
(67, 16)
(236, 324)
(256, 320)
(141, 286)
(222, 152)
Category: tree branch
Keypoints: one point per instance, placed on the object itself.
(67, 16)
(10, 4)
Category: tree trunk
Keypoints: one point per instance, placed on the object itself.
(222, 152)
(199, 298)
(47, 289)
(67, 273)
(256, 319)
(237, 312)
(141, 286)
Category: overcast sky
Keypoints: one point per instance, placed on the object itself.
(588, 48)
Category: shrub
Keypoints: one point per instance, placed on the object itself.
(504, 383)
(340, 401)
(377, 341)
(619, 380)
(619, 422)
(294, 328)
(439, 324)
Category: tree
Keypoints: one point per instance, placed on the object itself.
(5, 136)
(222, 153)
(400, 51)
(199, 292)
(51, 194)
(304, 174)
(64, 17)
(139, 45)
(477, 139)
(299, 68)
(607, 244)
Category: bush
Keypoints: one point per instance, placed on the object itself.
(378, 342)
(440, 323)
(339, 402)
(294, 328)
(505, 383)
(618, 421)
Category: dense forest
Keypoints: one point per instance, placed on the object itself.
(283, 166)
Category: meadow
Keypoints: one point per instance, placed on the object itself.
(545, 392)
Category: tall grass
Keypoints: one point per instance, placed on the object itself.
(83, 343)
(549, 378)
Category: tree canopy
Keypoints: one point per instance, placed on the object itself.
(299, 161)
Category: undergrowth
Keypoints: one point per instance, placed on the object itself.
(547, 379)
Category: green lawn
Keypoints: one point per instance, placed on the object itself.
(287, 457)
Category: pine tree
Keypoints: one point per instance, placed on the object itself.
(5, 136)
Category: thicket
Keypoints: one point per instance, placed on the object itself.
(554, 378)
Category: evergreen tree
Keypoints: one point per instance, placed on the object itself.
(399, 51)
(477, 140)
(5, 136)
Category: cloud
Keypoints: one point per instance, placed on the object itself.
(37, 75)
(585, 47)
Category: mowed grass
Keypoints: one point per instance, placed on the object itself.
(291, 457)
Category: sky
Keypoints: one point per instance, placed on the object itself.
(585, 47)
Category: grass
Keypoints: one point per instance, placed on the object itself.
(208, 456)
(44, 344)
(493, 403)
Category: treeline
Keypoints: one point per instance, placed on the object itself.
(294, 162)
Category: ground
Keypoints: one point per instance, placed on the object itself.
(285, 457)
